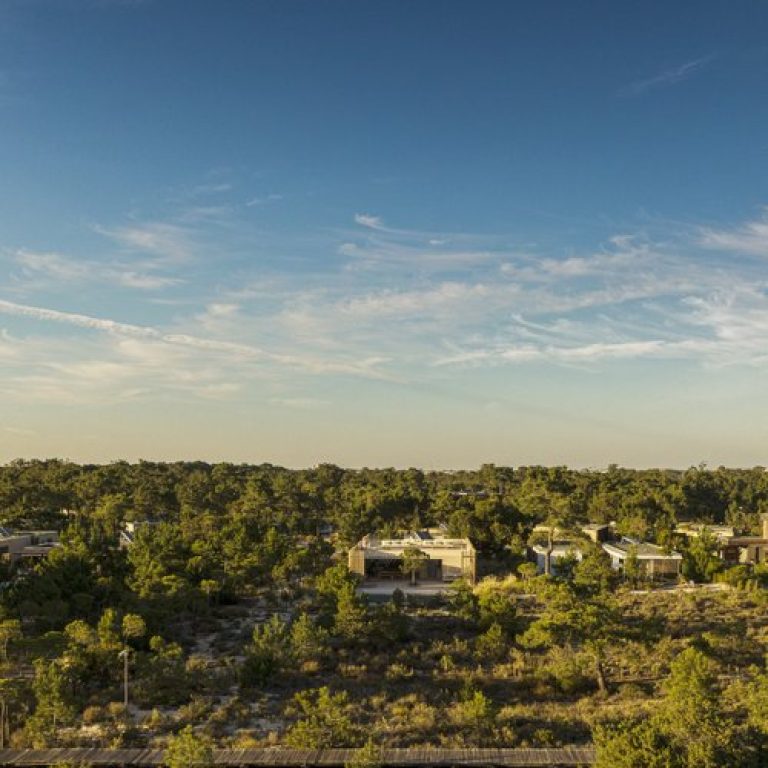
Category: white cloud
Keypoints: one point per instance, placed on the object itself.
(400, 303)
(71, 318)
(170, 242)
(140, 281)
(750, 238)
(670, 76)
(219, 316)
(588, 353)
(53, 264)
(369, 221)
(511, 305)
(620, 350)
(37, 268)
(397, 305)
(366, 366)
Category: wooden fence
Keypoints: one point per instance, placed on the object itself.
(562, 757)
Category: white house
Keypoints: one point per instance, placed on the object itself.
(654, 561)
(560, 550)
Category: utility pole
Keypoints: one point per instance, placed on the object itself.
(124, 654)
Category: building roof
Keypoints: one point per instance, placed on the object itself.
(744, 541)
(720, 532)
(559, 548)
(6, 534)
(38, 550)
(429, 539)
(643, 549)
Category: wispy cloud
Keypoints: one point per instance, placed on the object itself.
(367, 366)
(405, 303)
(36, 268)
(528, 353)
(669, 77)
(749, 238)
(369, 221)
(390, 304)
(272, 197)
(211, 189)
(379, 246)
(629, 299)
(168, 241)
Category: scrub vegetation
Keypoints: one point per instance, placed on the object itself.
(243, 627)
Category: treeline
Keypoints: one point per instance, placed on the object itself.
(223, 530)
(495, 504)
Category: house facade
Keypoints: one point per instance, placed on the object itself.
(559, 550)
(655, 562)
(444, 559)
(26, 545)
(746, 550)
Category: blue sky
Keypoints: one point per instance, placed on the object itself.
(384, 232)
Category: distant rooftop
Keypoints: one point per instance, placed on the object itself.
(643, 549)
(429, 537)
(559, 548)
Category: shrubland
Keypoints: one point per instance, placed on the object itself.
(242, 624)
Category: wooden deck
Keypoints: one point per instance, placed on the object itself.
(562, 757)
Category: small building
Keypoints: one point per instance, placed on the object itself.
(130, 529)
(445, 559)
(746, 550)
(598, 532)
(17, 545)
(694, 530)
(560, 550)
(655, 562)
(543, 531)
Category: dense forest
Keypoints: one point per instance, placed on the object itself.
(234, 614)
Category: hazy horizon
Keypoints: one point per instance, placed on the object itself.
(375, 234)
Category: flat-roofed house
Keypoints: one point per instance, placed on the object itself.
(558, 551)
(740, 550)
(598, 532)
(655, 562)
(26, 544)
(694, 530)
(444, 559)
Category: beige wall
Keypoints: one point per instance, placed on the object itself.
(457, 561)
(660, 567)
(11, 546)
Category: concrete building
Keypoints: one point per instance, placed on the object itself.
(445, 559)
(556, 543)
(654, 561)
(19, 545)
(598, 532)
(560, 550)
(746, 550)
(693, 530)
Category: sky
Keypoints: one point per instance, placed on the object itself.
(384, 232)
